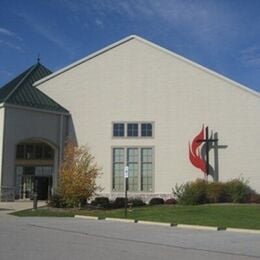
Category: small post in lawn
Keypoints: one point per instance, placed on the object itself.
(35, 200)
(35, 195)
(126, 188)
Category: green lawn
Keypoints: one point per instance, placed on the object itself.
(237, 216)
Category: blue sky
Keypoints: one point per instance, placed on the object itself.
(223, 35)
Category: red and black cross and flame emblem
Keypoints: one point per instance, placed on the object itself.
(199, 150)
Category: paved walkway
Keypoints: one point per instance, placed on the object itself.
(8, 207)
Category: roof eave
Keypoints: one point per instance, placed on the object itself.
(35, 109)
(128, 38)
(89, 57)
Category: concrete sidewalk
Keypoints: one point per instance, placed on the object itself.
(8, 207)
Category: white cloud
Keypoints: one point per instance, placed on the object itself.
(99, 23)
(47, 31)
(14, 46)
(6, 32)
(6, 73)
(251, 56)
(11, 45)
(9, 33)
(206, 22)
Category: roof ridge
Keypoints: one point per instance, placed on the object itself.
(20, 82)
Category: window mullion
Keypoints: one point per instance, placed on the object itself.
(125, 164)
(140, 170)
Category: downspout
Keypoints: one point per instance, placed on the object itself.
(58, 159)
(3, 149)
(61, 140)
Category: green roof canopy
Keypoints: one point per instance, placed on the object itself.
(20, 91)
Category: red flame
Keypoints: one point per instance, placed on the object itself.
(194, 151)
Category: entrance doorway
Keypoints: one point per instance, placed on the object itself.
(31, 183)
(34, 170)
(43, 187)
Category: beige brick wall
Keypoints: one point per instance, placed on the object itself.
(136, 81)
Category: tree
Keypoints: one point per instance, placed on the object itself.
(77, 175)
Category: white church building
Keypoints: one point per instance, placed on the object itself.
(133, 104)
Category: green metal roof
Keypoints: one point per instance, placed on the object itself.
(20, 91)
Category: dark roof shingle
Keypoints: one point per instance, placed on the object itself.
(20, 91)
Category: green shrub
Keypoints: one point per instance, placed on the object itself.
(136, 202)
(56, 201)
(253, 198)
(191, 193)
(201, 191)
(118, 203)
(156, 201)
(178, 191)
(102, 202)
(237, 190)
(216, 192)
(170, 201)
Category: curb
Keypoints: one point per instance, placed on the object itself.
(86, 217)
(198, 227)
(121, 220)
(241, 230)
(184, 226)
(154, 223)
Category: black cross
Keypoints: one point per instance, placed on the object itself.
(207, 142)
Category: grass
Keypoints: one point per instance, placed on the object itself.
(221, 215)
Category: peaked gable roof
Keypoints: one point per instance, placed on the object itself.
(20, 91)
(153, 45)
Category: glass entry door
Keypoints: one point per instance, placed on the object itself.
(43, 186)
(31, 179)
(27, 187)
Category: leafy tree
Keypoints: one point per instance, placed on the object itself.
(77, 175)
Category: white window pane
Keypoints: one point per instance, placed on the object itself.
(119, 155)
(132, 155)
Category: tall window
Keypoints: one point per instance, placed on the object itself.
(118, 129)
(140, 163)
(132, 129)
(132, 162)
(146, 169)
(118, 169)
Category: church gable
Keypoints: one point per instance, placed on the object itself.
(137, 58)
